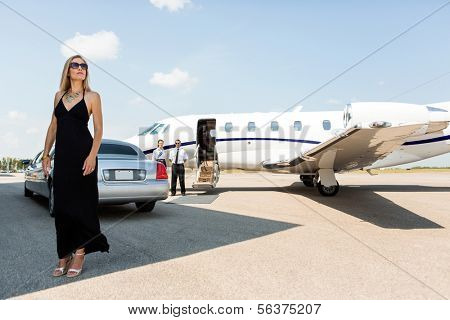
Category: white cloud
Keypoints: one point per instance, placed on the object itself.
(10, 139)
(171, 5)
(102, 45)
(136, 101)
(17, 115)
(32, 130)
(334, 101)
(174, 79)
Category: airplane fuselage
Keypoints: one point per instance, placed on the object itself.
(248, 140)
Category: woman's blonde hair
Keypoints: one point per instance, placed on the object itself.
(65, 79)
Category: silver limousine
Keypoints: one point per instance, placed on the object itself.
(125, 175)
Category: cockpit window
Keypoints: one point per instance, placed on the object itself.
(154, 129)
(158, 129)
(145, 131)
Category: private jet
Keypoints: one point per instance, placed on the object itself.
(314, 145)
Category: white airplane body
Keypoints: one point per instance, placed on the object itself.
(315, 145)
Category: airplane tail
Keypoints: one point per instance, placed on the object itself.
(439, 112)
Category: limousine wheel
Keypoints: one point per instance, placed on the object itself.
(27, 193)
(145, 206)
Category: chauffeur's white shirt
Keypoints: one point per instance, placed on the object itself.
(182, 155)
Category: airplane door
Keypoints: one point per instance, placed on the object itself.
(206, 153)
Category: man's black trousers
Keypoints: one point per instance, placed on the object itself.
(177, 172)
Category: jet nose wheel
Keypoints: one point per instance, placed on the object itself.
(308, 181)
(328, 191)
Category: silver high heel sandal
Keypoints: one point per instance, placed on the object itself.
(77, 271)
(63, 270)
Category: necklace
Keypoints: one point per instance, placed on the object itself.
(72, 96)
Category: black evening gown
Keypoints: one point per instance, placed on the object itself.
(75, 195)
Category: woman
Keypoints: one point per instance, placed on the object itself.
(159, 154)
(75, 190)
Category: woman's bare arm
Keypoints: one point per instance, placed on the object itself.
(96, 106)
(51, 131)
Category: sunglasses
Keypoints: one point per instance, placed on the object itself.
(177, 142)
(76, 65)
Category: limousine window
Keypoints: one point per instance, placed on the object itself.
(109, 148)
(38, 158)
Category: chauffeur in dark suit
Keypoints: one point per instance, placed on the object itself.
(178, 157)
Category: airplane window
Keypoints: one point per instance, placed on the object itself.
(166, 128)
(274, 126)
(251, 126)
(228, 127)
(145, 131)
(326, 124)
(297, 125)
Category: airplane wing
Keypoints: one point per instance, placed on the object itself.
(354, 148)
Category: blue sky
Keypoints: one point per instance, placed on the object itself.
(215, 56)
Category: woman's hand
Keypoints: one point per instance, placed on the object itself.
(89, 165)
(46, 166)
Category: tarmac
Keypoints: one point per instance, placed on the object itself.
(257, 235)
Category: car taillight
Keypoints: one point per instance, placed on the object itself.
(161, 172)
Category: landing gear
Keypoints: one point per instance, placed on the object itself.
(308, 180)
(328, 191)
(324, 180)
